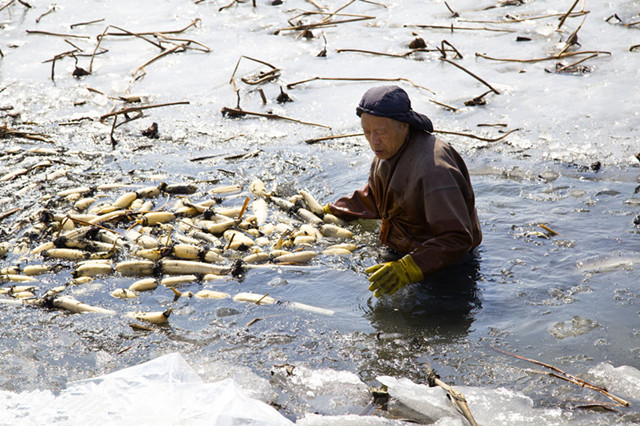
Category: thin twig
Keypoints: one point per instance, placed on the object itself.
(72, 26)
(7, 5)
(569, 377)
(443, 50)
(375, 3)
(452, 28)
(573, 38)
(100, 38)
(566, 15)
(236, 112)
(51, 9)
(57, 57)
(232, 80)
(512, 19)
(322, 24)
(454, 14)
(165, 53)
(158, 45)
(227, 6)
(393, 55)
(327, 138)
(205, 48)
(56, 34)
(449, 107)
(140, 108)
(469, 135)
(193, 23)
(471, 74)
(548, 58)
(566, 67)
(291, 85)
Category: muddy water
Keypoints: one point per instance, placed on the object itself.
(568, 299)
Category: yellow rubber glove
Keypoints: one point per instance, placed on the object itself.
(326, 209)
(389, 277)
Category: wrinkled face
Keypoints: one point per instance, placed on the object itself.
(385, 135)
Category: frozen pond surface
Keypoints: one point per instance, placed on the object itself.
(570, 300)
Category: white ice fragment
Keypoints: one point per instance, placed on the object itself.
(624, 379)
(348, 420)
(431, 402)
(496, 407)
(609, 264)
(165, 390)
(326, 391)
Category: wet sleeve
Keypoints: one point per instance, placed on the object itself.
(451, 226)
(360, 205)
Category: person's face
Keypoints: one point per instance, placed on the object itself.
(385, 135)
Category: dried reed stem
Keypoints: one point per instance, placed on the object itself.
(471, 74)
(511, 19)
(328, 138)
(79, 24)
(56, 34)
(290, 85)
(322, 24)
(140, 108)
(51, 9)
(564, 68)
(566, 376)
(548, 58)
(239, 112)
(453, 28)
(566, 15)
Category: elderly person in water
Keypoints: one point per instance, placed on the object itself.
(418, 186)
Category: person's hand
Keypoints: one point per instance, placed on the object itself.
(389, 277)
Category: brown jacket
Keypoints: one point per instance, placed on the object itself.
(424, 197)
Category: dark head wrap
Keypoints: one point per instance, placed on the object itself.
(393, 102)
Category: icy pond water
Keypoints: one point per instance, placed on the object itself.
(570, 300)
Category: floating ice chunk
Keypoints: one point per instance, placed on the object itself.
(609, 264)
(162, 391)
(494, 407)
(254, 385)
(348, 420)
(432, 402)
(624, 379)
(323, 391)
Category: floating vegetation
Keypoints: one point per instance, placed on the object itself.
(177, 243)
